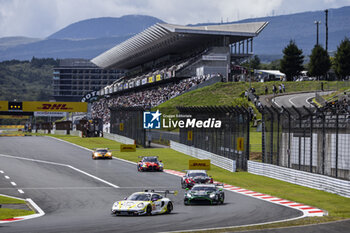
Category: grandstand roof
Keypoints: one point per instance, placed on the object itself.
(162, 39)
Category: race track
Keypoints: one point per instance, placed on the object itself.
(76, 193)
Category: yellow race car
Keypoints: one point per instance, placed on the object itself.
(101, 153)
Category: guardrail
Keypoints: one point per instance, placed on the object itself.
(311, 180)
(217, 160)
(118, 138)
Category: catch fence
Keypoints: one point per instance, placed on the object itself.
(231, 140)
(315, 140)
(128, 122)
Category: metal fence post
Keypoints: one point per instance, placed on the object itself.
(278, 135)
(311, 135)
(271, 135)
(289, 134)
(336, 143)
(300, 122)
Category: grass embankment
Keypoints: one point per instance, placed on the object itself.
(232, 93)
(6, 213)
(337, 206)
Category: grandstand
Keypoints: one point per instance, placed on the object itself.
(165, 60)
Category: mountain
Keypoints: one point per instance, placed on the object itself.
(89, 38)
(106, 27)
(84, 39)
(12, 41)
(301, 28)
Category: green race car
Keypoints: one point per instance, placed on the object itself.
(204, 194)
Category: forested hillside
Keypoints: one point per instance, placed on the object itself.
(26, 80)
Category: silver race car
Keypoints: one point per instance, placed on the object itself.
(148, 202)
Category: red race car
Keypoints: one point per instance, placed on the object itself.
(193, 177)
(149, 163)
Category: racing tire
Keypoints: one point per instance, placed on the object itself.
(169, 207)
(186, 203)
(94, 158)
(183, 185)
(149, 210)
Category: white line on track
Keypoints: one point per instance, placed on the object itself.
(307, 100)
(13, 183)
(7, 177)
(275, 102)
(63, 165)
(20, 191)
(291, 102)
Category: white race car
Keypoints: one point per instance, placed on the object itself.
(148, 202)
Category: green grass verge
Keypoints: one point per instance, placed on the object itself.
(10, 213)
(8, 200)
(337, 206)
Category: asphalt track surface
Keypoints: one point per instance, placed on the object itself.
(76, 202)
(297, 100)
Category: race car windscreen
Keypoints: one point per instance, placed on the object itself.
(194, 174)
(102, 151)
(150, 159)
(204, 188)
(139, 197)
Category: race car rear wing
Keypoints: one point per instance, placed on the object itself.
(163, 192)
(147, 156)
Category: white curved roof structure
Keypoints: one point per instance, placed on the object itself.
(162, 39)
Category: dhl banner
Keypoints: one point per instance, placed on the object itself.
(127, 147)
(4, 106)
(199, 164)
(12, 126)
(158, 77)
(13, 117)
(38, 106)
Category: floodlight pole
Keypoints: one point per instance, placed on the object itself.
(326, 11)
(317, 24)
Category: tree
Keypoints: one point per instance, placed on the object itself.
(320, 62)
(342, 59)
(255, 62)
(292, 61)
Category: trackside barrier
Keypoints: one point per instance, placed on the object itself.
(311, 180)
(59, 132)
(118, 138)
(216, 160)
(76, 133)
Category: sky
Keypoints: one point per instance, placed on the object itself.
(41, 18)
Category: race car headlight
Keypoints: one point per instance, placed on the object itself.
(144, 165)
(141, 205)
(188, 195)
(160, 165)
(109, 153)
(212, 195)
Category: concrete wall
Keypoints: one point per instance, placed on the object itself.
(118, 138)
(311, 180)
(217, 160)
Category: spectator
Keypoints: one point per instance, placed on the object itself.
(146, 98)
(274, 89)
(283, 87)
(280, 88)
(266, 90)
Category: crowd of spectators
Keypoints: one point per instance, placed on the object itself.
(146, 98)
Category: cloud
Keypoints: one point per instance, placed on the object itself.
(40, 18)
